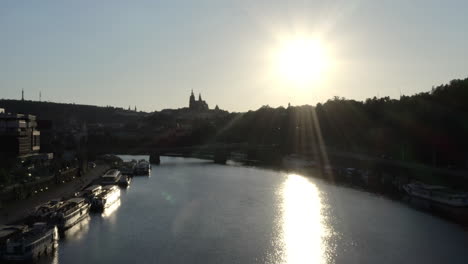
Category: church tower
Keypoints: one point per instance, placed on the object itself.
(197, 105)
(192, 101)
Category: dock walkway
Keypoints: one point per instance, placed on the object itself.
(17, 210)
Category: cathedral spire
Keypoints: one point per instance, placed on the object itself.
(197, 105)
(192, 100)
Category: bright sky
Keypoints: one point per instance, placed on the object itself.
(152, 53)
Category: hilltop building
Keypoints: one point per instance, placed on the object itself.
(197, 105)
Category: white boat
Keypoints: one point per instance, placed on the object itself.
(438, 194)
(91, 192)
(111, 177)
(30, 243)
(143, 168)
(73, 211)
(109, 195)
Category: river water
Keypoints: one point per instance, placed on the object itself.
(194, 211)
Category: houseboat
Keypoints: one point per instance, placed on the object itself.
(111, 177)
(91, 192)
(46, 211)
(30, 243)
(8, 231)
(110, 194)
(143, 168)
(128, 167)
(73, 211)
(438, 194)
(124, 181)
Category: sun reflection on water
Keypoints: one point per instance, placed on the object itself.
(111, 209)
(77, 231)
(303, 228)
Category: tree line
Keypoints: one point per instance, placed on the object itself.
(429, 127)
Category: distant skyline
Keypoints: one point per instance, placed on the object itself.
(153, 53)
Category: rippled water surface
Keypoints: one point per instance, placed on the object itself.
(193, 211)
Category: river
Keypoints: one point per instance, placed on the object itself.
(194, 211)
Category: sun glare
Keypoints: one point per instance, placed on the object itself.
(301, 61)
(304, 230)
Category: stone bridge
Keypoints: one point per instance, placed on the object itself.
(219, 153)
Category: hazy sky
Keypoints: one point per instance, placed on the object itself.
(152, 53)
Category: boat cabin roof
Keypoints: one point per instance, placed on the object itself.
(50, 204)
(44, 209)
(112, 173)
(93, 188)
(27, 233)
(9, 230)
(109, 187)
(76, 200)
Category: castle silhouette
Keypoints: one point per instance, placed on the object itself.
(199, 104)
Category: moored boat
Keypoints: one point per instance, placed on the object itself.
(111, 177)
(438, 194)
(124, 181)
(31, 243)
(8, 231)
(128, 168)
(73, 211)
(91, 192)
(45, 211)
(110, 194)
(143, 168)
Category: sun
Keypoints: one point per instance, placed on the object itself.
(301, 61)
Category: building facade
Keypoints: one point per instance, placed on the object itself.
(18, 134)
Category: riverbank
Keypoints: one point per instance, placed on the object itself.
(17, 210)
(389, 187)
